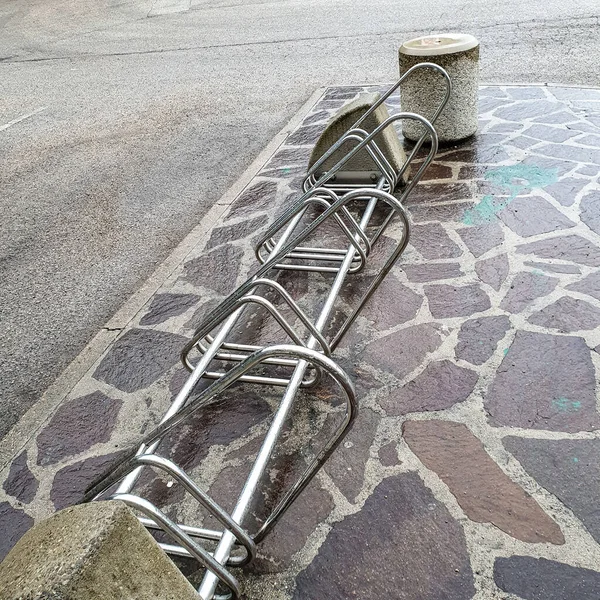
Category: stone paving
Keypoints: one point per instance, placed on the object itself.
(473, 468)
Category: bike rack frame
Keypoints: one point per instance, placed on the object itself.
(300, 363)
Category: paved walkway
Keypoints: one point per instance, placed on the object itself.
(472, 471)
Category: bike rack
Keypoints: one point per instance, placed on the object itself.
(302, 362)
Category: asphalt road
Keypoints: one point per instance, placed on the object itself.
(122, 122)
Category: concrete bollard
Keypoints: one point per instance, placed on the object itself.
(423, 91)
(96, 551)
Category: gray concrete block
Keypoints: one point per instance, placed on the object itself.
(423, 92)
(342, 121)
(96, 551)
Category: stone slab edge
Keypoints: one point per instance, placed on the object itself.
(30, 423)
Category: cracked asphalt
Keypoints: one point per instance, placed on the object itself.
(121, 123)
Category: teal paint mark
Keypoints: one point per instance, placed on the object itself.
(513, 180)
(505, 351)
(564, 405)
(575, 459)
(537, 272)
(485, 211)
(286, 170)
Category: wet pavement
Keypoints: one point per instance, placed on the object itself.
(472, 470)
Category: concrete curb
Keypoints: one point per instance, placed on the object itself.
(36, 416)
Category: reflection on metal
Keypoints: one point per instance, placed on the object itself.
(360, 213)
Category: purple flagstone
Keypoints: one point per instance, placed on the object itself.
(286, 155)
(492, 91)
(481, 238)
(525, 288)
(441, 385)
(347, 467)
(559, 166)
(390, 548)
(590, 211)
(545, 382)
(344, 92)
(487, 104)
(565, 190)
(526, 110)
(432, 271)
(385, 314)
(433, 242)
(526, 93)
(590, 140)
(21, 483)
(491, 155)
(480, 486)
(439, 192)
(165, 306)
(553, 268)
(559, 117)
(310, 509)
(567, 315)
(230, 233)
(569, 469)
(523, 142)
(589, 285)
(402, 351)
(550, 134)
(572, 153)
(506, 127)
(138, 358)
(493, 271)
(533, 215)
(320, 116)
(541, 579)
(14, 523)
(436, 171)
(478, 338)
(310, 133)
(567, 247)
(421, 213)
(261, 195)
(285, 172)
(591, 170)
(388, 454)
(456, 301)
(217, 270)
(70, 482)
(77, 425)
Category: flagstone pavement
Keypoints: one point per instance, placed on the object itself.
(473, 468)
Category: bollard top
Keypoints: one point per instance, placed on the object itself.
(443, 43)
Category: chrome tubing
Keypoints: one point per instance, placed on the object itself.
(310, 351)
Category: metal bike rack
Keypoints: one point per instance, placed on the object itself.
(300, 363)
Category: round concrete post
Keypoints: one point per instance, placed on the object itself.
(423, 91)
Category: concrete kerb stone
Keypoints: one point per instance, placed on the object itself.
(41, 412)
(91, 552)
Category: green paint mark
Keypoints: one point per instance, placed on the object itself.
(485, 211)
(513, 180)
(520, 177)
(287, 170)
(564, 405)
